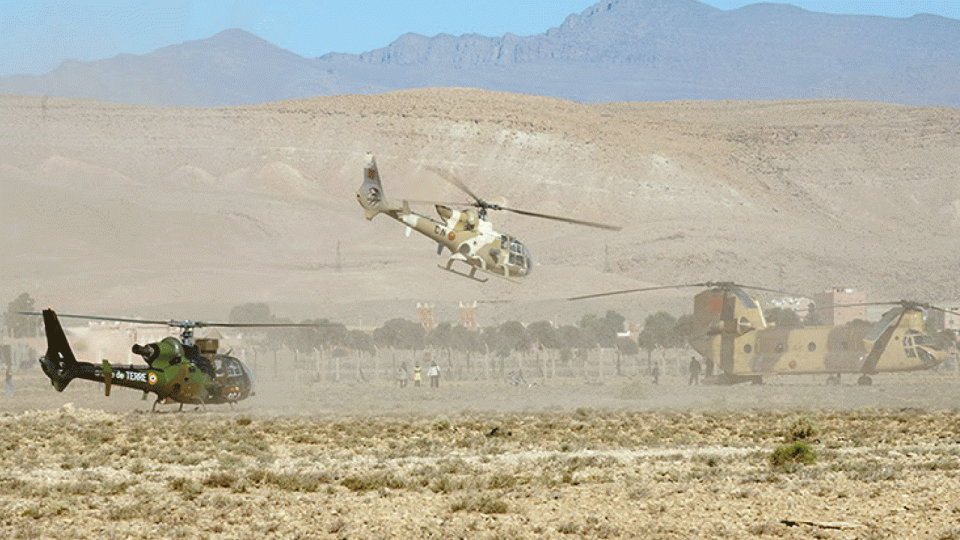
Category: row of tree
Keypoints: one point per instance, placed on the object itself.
(660, 330)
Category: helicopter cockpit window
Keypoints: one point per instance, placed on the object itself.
(233, 369)
(518, 254)
(504, 241)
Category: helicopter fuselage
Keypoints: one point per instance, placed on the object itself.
(466, 234)
(734, 334)
(174, 372)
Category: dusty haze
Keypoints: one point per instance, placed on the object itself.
(176, 212)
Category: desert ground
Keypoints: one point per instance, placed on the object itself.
(129, 210)
(484, 459)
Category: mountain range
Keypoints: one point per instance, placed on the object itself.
(616, 50)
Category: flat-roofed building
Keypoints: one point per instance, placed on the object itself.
(838, 306)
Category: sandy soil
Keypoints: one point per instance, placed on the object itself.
(185, 213)
(624, 459)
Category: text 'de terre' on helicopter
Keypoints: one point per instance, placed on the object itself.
(467, 234)
(730, 330)
(177, 370)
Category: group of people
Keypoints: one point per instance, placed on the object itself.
(433, 373)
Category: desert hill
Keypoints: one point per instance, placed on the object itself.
(126, 209)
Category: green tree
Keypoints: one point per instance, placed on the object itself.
(544, 334)
(465, 340)
(400, 334)
(251, 313)
(22, 325)
(602, 331)
(783, 317)
(360, 340)
(508, 337)
(660, 330)
(324, 334)
(441, 337)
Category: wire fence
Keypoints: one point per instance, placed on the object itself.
(397, 365)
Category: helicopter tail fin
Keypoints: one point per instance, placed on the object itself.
(59, 363)
(370, 195)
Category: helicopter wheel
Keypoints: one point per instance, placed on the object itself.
(833, 380)
(865, 380)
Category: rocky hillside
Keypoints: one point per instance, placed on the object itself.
(617, 50)
(109, 208)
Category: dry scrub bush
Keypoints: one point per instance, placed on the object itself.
(373, 481)
(483, 503)
(789, 456)
(300, 481)
(190, 489)
(803, 429)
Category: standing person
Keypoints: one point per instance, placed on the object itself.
(416, 375)
(9, 381)
(403, 376)
(694, 371)
(656, 373)
(434, 374)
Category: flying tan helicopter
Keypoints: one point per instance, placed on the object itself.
(730, 330)
(177, 370)
(467, 234)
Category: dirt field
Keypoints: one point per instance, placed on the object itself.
(563, 459)
(121, 210)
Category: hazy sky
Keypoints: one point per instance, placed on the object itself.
(36, 36)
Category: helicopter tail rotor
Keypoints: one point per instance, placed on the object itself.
(58, 364)
(370, 195)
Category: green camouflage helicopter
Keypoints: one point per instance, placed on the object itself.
(178, 370)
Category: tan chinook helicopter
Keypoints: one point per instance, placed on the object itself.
(467, 234)
(729, 329)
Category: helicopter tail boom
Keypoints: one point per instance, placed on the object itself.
(59, 363)
(370, 195)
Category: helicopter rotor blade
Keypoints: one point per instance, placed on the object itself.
(559, 218)
(905, 304)
(182, 324)
(263, 325)
(446, 175)
(441, 203)
(99, 318)
(728, 285)
(628, 291)
(873, 357)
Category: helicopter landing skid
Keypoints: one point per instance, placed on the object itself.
(472, 275)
